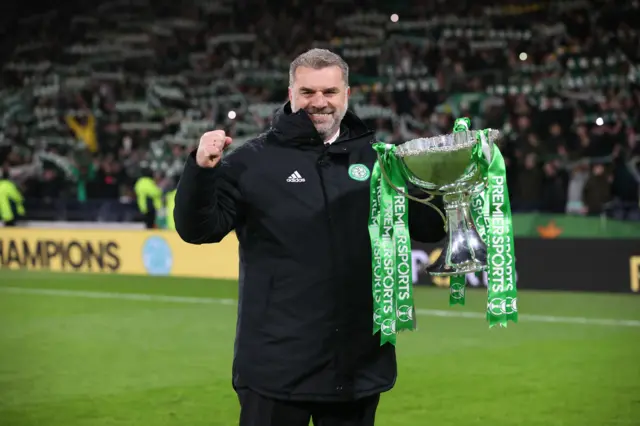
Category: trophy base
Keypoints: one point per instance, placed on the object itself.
(464, 251)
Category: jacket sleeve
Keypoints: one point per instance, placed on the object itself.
(425, 224)
(206, 202)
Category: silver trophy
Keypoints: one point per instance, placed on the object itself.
(444, 165)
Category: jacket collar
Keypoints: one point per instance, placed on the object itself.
(297, 128)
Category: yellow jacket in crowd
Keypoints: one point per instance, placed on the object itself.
(9, 193)
(148, 193)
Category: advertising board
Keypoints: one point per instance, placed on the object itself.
(116, 252)
(602, 265)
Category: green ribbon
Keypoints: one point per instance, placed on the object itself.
(393, 305)
(457, 283)
(491, 213)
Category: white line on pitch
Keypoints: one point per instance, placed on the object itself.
(209, 301)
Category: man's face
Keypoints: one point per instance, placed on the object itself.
(323, 94)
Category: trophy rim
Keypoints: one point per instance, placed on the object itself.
(441, 143)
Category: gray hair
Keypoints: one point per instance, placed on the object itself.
(318, 59)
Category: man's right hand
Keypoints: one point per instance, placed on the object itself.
(210, 149)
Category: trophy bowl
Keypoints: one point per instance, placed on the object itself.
(445, 165)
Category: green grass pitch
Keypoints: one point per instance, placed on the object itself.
(98, 350)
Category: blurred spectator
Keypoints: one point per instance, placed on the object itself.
(555, 184)
(530, 180)
(597, 190)
(575, 190)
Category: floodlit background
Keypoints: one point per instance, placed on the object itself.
(103, 323)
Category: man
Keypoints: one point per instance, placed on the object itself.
(304, 348)
(149, 198)
(11, 201)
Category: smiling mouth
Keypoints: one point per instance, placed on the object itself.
(320, 114)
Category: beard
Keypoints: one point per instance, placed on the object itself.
(326, 120)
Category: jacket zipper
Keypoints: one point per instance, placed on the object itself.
(339, 290)
(337, 313)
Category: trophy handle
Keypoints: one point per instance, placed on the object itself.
(425, 201)
(480, 187)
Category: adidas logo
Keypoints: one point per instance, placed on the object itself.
(295, 177)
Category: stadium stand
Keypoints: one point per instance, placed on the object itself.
(90, 98)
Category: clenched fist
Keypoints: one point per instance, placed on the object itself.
(210, 148)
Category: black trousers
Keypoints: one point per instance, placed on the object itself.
(258, 410)
(16, 216)
(150, 219)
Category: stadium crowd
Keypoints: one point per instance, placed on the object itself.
(92, 100)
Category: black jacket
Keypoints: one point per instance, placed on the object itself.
(305, 315)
